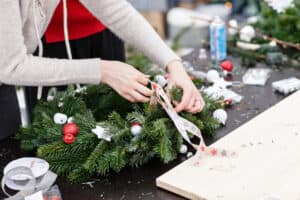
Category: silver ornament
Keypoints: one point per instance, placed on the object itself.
(60, 118)
(221, 116)
(212, 76)
(136, 130)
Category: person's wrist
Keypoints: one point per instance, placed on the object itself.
(174, 66)
(104, 71)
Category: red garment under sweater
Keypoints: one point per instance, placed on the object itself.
(81, 23)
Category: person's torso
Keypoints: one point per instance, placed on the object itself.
(43, 10)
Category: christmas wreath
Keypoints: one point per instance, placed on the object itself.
(94, 131)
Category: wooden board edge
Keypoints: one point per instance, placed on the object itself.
(176, 190)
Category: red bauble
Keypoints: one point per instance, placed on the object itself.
(70, 128)
(69, 138)
(227, 66)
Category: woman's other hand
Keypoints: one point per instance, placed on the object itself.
(192, 100)
(126, 81)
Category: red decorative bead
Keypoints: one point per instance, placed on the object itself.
(70, 128)
(214, 152)
(202, 148)
(227, 66)
(69, 138)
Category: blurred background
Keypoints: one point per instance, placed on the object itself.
(169, 17)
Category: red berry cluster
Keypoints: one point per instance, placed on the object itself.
(70, 130)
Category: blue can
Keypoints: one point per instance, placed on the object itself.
(218, 47)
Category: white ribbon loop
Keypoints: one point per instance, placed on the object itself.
(183, 126)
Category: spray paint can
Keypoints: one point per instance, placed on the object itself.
(218, 47)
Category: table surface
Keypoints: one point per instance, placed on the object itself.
(140, 183)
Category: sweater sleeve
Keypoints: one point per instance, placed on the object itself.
(122, 19)
(17, 67)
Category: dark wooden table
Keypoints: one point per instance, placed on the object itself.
(140, 183)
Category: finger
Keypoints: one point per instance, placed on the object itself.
(138, 97)
(199, 105)
(143, 90)
(192, 102)
(129, 98)
(169, 88)
(143, 79)
(184, 101)
(175, 103)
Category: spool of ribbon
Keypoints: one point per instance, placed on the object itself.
(28, 186)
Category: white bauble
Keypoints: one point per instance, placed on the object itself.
(183, 149)
(221, 116)
(60, 118)
(233, 27)
(136, 129)
(189, 154)
(161, 80)
(247, 33)
(212, 76)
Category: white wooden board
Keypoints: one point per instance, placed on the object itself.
(267, 166)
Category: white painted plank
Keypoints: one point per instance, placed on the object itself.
(268, 162)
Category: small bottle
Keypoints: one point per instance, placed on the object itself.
(203, 60)
(218, 41)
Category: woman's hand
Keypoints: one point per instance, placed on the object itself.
(192, 100)
(126, 81)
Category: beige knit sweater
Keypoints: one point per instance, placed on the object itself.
(19, 20)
